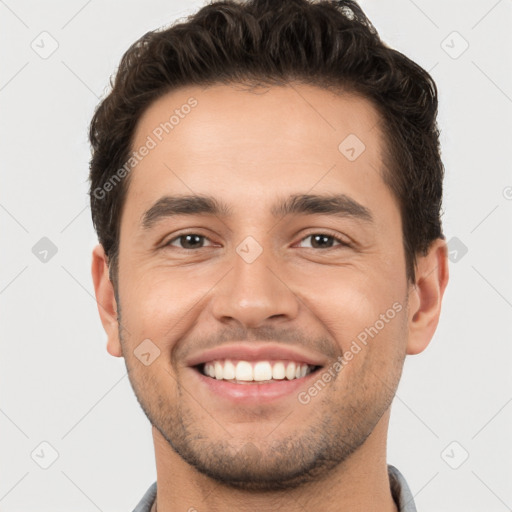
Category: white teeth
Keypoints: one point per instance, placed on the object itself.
(278, 372)
(243, 371)
(290, 371)
(229, 370)
(218, 371)
(261, 371)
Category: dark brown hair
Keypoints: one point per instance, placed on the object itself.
(275, 42)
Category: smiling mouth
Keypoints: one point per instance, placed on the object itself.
(255, 372)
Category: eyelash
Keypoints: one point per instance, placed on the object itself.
(341, 242)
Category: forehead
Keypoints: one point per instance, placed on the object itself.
(256, 144)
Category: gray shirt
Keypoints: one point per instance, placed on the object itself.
(399, 489)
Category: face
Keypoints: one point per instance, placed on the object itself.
(293, 253)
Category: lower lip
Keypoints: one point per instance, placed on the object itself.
(253, 392)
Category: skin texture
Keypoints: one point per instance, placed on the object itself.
(251, 149)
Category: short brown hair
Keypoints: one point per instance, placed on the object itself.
(275, 42)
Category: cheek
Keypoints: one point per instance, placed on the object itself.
(160, 303)
(347, 301)
(364, 314)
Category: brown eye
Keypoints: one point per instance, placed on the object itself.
(323, 241)
(188, 241)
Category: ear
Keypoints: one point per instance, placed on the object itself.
(425, 296)
(105, 298)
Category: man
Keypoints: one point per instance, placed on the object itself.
(266, 186)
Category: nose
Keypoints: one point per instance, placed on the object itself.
(253, 293)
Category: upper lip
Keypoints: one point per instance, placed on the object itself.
(255, 352)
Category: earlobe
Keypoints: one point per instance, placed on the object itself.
(425, 296)
(105, 299)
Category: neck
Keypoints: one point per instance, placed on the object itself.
(358, 484)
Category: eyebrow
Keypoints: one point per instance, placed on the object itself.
(170, 206)
(338, 205)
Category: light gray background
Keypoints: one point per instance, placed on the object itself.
(58, 383)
